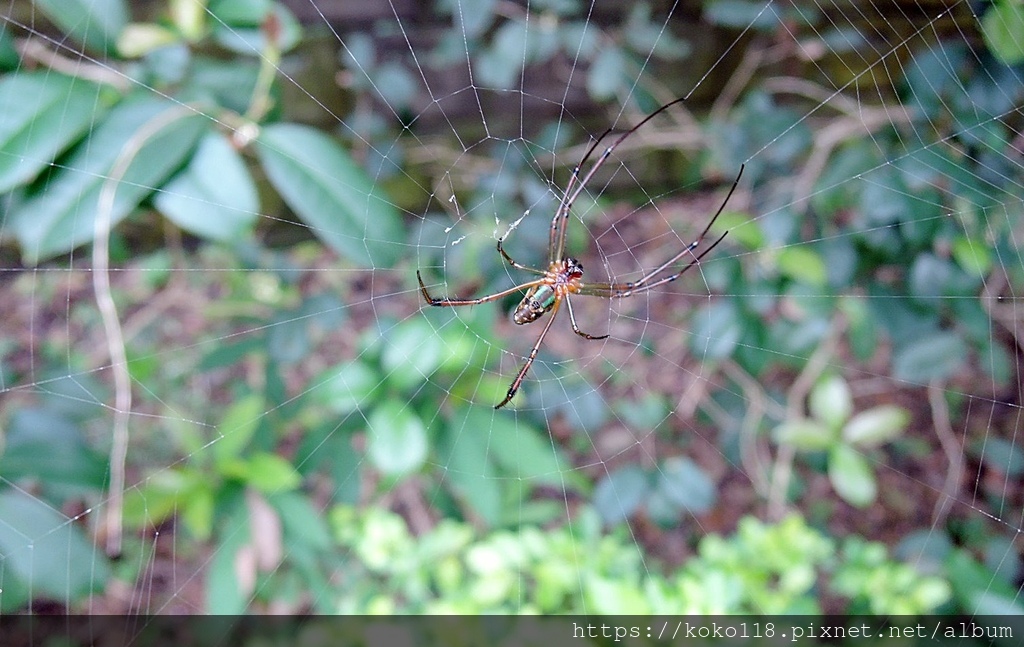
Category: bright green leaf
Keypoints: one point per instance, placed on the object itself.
(197, 510)
(47, 550)
(214, 196)
(62, 215)
(346, 387)
(94, 23)
(332, 194)
(741, 228)
(522, 451)
(1002, 27)
(44, 113)
(802, 264)
(851, 476)
(271, 473)
(804, 434)
(830, 401)
(974, 256)
(876, 426)
(237, 427)
(412, 352)
(397, 439)
(140, 38)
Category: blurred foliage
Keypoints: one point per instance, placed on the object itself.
(319, 419)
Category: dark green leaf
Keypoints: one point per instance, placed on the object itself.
(241, 12)
(331, 194)
(930, 357)
(47, 550)
(1000, 455)
(469, 468)
(851, 476)
(252, 41)
(397, 439)
(301, 521)
(44, 113)
(620, 493)
(522, 451)
(43, 445)
(717, 329)
(605, 74)
(94, 23)
(63, 214)
(686, 485)
(214, 196)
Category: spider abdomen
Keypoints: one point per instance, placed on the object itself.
(538, 300)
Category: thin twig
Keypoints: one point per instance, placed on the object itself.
(32, 49)
(952, 449)
(795, 398)
(111, 322)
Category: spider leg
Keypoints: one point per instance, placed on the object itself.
(518, 266)
(575, 328)
(533, 355)
(560, 222)
(445, 301)
(618, 290)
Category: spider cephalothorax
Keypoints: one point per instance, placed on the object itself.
(562, 278)
(559, 281)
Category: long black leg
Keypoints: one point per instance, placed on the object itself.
(575, 328)
(445, 301)
(533, 355)
(560, 221)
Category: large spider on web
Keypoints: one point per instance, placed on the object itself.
(564, 273)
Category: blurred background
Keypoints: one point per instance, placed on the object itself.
(221, 390)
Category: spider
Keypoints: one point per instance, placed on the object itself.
(564, 273)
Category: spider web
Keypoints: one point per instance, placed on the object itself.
(852, 121)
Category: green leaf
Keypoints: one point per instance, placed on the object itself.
(1002, 26)
(47, 550)
(621, 493)
(43, 445)
(605, 74)
(802, 264)
(270, 473)
(935, 356)
(851, 476)
(197, 510)
(686, 485)
(252, 41)
(214, 197)
(876, 426)
(521, 450)
(44, 113)
(397, 439)
(1000, 455)
(237, 427)
(830, 401)
(62, 215)
(94, 23)
(346, 387)
(300, 520)
(332, 194)
(413, 350)
(224, 596)
(804, 434)
(741, 228)
(469, 469)
(717, 329)
(974, 256)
